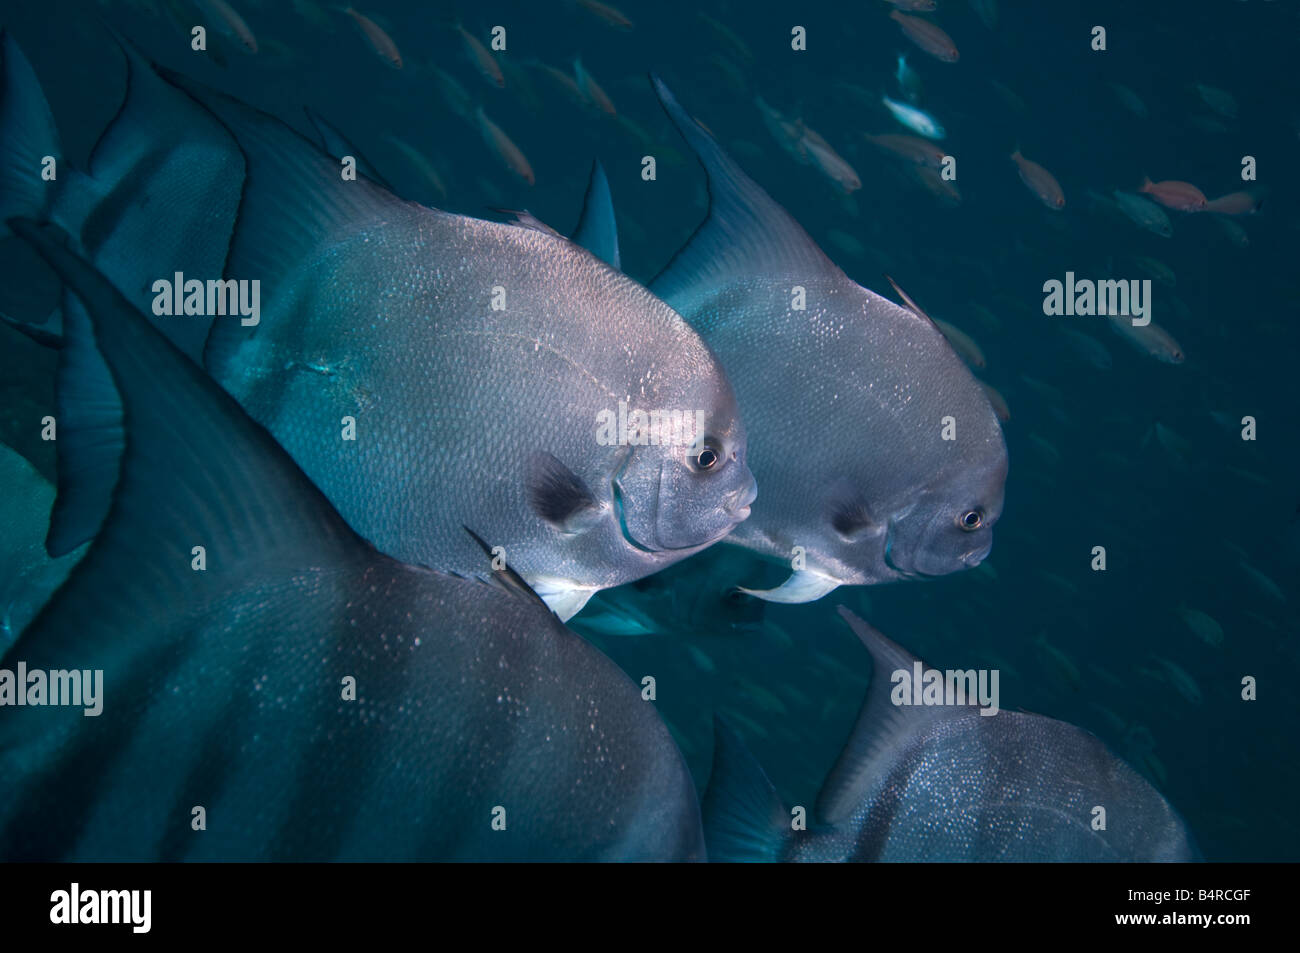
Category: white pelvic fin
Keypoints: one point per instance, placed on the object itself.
(802, 586)
(564, 596)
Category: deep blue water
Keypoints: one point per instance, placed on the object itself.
(1177, 515)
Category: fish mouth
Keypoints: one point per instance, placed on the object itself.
(737, 504)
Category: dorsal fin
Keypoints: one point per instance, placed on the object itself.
(526, 219)
(294, 202)
(911, 305)
(338, 145)
(746, 232)
(596, 230)
(188, 445)
(880, 728)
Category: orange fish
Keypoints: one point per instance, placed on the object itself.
(998, 401)
(564, 81)
(912, 148)
(504, 146)
(937, 185)
(1234, 203)
(383, 43)
(1180, 196)
(592, 89)
(827, 160)
(927, 36)
(233, 22)
(607, 13)
(1041, 182)
(484, 61)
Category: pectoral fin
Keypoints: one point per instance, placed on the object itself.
(849, 514)
(802, 586)
(560, 496)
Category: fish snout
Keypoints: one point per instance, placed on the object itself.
(738, 500)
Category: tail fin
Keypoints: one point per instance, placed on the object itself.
(28, 140)
(744, 819)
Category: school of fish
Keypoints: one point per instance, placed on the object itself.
(339, 550)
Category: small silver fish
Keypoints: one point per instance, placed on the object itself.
(918, 120)
(1144, 212)
(1151, 339)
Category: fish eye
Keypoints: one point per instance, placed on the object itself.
(706, 458)
(971, 520)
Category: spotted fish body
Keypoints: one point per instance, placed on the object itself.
(418, 325)
(947, 783)
(845, 401)
(1013, 787)
(226, 688)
